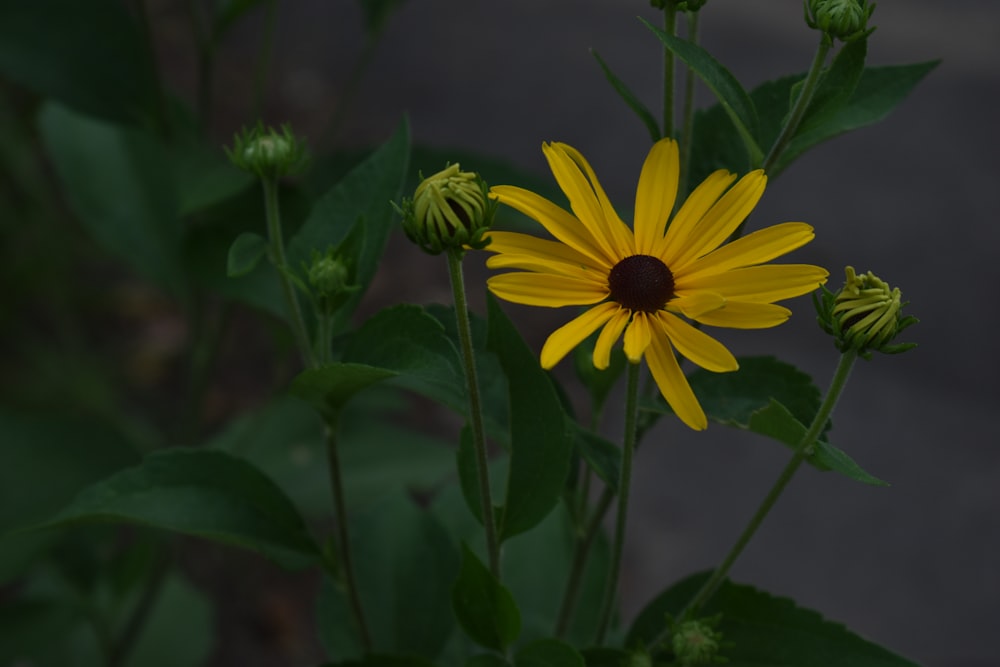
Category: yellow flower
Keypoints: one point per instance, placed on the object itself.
(640, 280)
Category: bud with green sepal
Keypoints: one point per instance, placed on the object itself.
(846, 20)
(696, 642)
(267, 152)
(450, 210)
(330, 279)
(865, 315)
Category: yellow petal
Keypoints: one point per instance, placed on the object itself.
(761, 284)
(691, 212)
(536, 289)
(525, 244)
(618, 232)
(696, 304)
(742, 315)
(655, 194)
(568, 336)
(756, 248)
(558, 222)
(609, 334)
(723, 218)
(545, 265)
(673, 385)
(637, 336)
(696, 345)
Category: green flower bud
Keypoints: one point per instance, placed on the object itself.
(865, 315)
(266, 152)
(330, 280)
(696, 643)
(449, 210)
(845, 20)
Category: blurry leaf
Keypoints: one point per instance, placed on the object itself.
(383, 660)
(540, 444)
(548, 653)
(483, 606)
(880, 90)
(179, 611)
(486, 660)
(203, 493)
(119, 183)
(468, 473)
(761, 630)
(329, 387)
(727, 89)
(837, 84)
(606, 657)
(603, 456)
(88, 55)
(34, 629)
(360, 198)
(599, 382)
(246, 251)
(777, 422)
(630, 99)
(205, 177)
(405, 564)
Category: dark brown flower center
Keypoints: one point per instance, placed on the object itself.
(641, 282)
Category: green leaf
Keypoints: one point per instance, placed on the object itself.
(548, 653)
(483, 606)
(775, 421)
(179, 611)
(119, 183)
(405, 565)
(727, 89)
(206, 177)
(468, 473)
(88, 55)
(880, 90)
(245, 253)
(602, 455)
(203, 493)
(630, 99)
(329, 387)
(486, 660)
(606, 657)
(837, 84)
(540, 444)
(360, 198)
(760, 630)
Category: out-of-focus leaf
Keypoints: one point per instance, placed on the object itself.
(838, 83)
(329, 387)
(246, 251)
(633, 102)
(548, 653)
(483, 606)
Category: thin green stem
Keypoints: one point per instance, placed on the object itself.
(475, 407)
(343, 537)
(122, 646)
(580, 555)
(669, 27)
(687, 118)
(803, 450)
(280, 261)
(624, 483)
(801, 105)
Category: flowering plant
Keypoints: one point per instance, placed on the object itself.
(443, 496)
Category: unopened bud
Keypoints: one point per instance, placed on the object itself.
(329, 279)
(450, 210)
(865, 315)
(845, 20)
(695, 643)
(267, 152)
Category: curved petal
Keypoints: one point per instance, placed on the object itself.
(582, 199)
(638, 334)
(756, 248)
(619, 233)
(545, 265)
(561, 341)
(525, 244)
(691, 212)
(761, 284)
(558, 222)
(673, 385)
(609, 334)
(696, 345)
(536, 289)
(655, 194)
(696, 304)
(743, 315)
(723, 218)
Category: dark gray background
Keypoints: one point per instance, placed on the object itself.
(914, 566)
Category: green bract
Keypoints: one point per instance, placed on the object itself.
(450, 210)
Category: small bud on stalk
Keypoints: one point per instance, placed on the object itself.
(330, 279)
(695, 642)
(450, 210)
(846, 20)
(865, 315)
(267, 152)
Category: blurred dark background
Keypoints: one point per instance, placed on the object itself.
(916, 566)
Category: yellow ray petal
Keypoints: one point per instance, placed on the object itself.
(571, 334)
(673, 385)
(535, 289)
(637, 336)
(524, 244)
(546, 265)
(743, 315)
(756, 248)
(761, 284)
(723, 218)
(655, 194)
(693, 210)
(696, 345)
(609, 334)
(558, 222)
(697, 303)
(618, 232)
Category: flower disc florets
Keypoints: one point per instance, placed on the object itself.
(845, 20)
(267, 152)
(641, 282)
(865, 315)
(449, 210)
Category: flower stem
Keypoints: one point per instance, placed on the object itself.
(475, 407)
(804, 448)
(343, 537)
(277, 253)
(624, 482)
(801, 105)
(580, 555)
(669, 27)
(687, 119)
